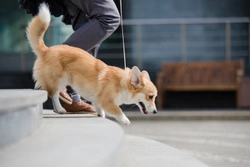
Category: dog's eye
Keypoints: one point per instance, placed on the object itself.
(150, 97)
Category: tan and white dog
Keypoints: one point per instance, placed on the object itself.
(107, 87)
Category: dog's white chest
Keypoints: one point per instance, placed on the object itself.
(124, 98)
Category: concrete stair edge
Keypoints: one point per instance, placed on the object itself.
(20, 113)
(69, 140)
(143, 152)
(13, 99)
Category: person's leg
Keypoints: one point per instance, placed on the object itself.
(93, 21)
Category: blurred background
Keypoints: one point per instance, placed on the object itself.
(155, 32)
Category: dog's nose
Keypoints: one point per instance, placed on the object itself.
(154, 111)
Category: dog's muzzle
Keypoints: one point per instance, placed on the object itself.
(143, 108)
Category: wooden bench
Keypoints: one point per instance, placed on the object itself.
(199, 76)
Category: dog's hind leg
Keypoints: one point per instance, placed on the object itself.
(54, 89)
(57, 105)
(100, 112)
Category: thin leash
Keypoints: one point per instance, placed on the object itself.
(123, 41)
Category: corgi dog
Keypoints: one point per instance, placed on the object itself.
(107, 87)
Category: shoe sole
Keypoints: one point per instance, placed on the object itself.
(65, 100)
(82, 112)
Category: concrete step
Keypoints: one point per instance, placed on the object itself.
(67, 140)
(142, 152)
(20, 113)
(73, 139)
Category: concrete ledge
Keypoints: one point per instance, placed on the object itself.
(67, 140)
(12, 99)
(141, 152)
(192, 115)
(20, 113)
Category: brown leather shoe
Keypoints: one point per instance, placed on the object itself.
(80, 106)
(65, 97)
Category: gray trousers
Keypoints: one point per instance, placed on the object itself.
(92, 21)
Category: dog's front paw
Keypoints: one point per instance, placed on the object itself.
(124, 120)
(60, 111)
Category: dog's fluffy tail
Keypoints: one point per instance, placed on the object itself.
(36, 29)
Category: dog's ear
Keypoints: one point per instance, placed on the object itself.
(145, 75)
(136, 77)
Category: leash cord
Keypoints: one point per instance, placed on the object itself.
(123, 41)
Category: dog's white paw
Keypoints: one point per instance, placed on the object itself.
(124, 120)
(101, 114)
(99, 111)
(127, 122)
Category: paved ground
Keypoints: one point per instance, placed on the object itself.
(216, 143)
